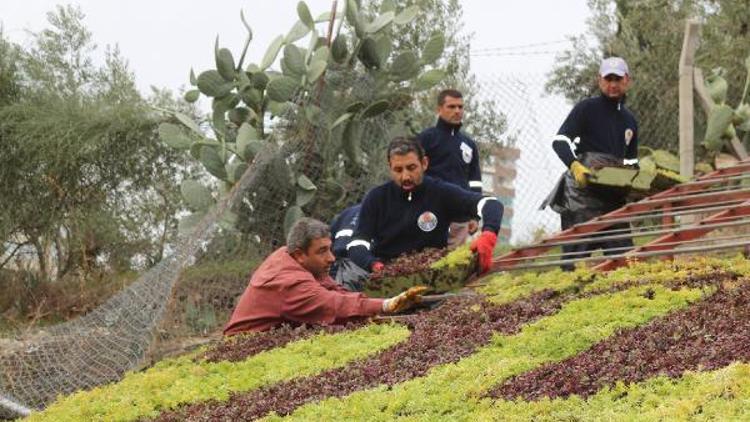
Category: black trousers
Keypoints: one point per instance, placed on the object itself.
(349, 275)
(583, 250)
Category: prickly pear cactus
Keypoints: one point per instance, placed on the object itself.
(312, 89)
(435, 268)
(724, 121)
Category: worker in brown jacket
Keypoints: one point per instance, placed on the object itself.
(293, 286)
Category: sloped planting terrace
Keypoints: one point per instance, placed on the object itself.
(445, 335)
(183, 380)
(707, 336)
(656, 341)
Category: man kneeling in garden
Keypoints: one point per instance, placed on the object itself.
(293, 286)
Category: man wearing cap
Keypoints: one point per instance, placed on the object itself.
(599, 131)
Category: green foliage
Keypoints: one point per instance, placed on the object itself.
(174, 136)
(212, 271)
(454, 391)
(613, 176)
(724, 122)
(211, 83)
(713, 395)
(27, 295)
(726, 41)
(437, 269)
(433, 49)
(173, 382)
(461, 256)
(92, 184)
(9, 80)
(507, 287)
(667, 271)
(666, 160)
(197, 196)
(245, 97)
(658, 171)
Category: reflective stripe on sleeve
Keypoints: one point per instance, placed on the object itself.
(475, 184)
(358, 242)
(345, 232)
(572, 144)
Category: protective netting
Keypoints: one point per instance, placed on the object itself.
(533, 117)
(116, 337)
(100, 346)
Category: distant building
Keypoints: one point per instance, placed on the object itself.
(498, 176)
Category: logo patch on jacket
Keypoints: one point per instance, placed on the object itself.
(427, 221)
(628, 136)
(466, 152)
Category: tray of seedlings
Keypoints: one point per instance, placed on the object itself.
(438, 269)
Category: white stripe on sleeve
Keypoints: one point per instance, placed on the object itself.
(358, 242)
(345, 232)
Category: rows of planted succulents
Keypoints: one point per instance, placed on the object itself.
(658, 340)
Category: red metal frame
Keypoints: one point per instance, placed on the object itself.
(688, 233)
(689, 193)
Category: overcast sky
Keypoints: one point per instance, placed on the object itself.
(162, 39)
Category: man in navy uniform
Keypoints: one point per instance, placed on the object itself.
(453, 155)
(343, 270)
(598, 132)
(342, 229)
(413, 211)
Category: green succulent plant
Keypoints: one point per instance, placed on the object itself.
(658, 170)
(724, 121)
(245, 97)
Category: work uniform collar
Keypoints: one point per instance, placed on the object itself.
(617, 104)
(448, 127)
(412, 195)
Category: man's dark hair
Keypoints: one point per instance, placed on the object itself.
(402, 145)
(303, 232)
(448, 93)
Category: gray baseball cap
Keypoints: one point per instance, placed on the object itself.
(613, 66)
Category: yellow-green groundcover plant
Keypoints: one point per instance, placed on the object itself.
(507, 287)
(455, 391)
(179, 381)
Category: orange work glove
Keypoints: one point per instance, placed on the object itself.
(404, 301)
(484, 247)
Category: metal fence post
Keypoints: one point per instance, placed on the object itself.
(687, 142)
